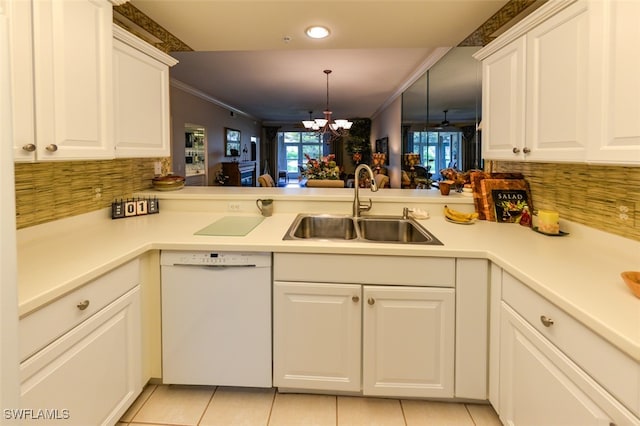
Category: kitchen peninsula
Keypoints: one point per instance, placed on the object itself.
(573, 274)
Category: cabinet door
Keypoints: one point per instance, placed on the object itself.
(503, 94)
(316, 336)
(22, 102)
(556, 96)
(141, 99)
(533, 388)
(615, 123)
(73, 87)
(91, 375)
(408, 341)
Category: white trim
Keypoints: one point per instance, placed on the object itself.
(429, 62)
(10, 383)
(118, 2)
(199, 93)
(137, 43)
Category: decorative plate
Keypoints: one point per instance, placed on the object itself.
(561, 234)
(471, 222)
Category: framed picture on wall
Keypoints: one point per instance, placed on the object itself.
(231, 142)
(382, 145)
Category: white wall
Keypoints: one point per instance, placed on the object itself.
(191, 106)
(388, 123)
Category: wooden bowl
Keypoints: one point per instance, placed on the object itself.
(632, 278)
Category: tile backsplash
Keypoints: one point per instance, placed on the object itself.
(582, 193)
(47, 191)
(593, 195)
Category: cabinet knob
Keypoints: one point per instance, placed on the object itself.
(371, 301)
(356, 299)
(526, 150)
(516, 150)
(83, 305)
(546, 321)
(29, 147)
(52, 147)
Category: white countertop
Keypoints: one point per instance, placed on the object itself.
(580, 272)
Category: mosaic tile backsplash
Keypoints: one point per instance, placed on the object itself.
(582, 193)
(48, 191)
(593, 195)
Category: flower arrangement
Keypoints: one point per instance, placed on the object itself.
(325, 168)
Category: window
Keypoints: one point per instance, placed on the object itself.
(438, 150)
(292, 147)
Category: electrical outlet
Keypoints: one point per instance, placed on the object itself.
(625, 213)
(233, 207)
(97, 193)
(157, 168)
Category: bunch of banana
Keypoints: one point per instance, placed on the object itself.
(459, 217)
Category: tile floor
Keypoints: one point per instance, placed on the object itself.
(227, 406)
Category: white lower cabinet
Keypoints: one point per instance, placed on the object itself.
(91, 374)
(316, 333)
(551, 369)
(400, 338)
(408, 341)
(534, 390)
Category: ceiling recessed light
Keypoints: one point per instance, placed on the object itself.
(317, 32)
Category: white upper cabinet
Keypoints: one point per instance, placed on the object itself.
(503, 102)
(535, 89)
(562, 85)
(556, 87)
(141, 97)
(63, 98)
(614, 131)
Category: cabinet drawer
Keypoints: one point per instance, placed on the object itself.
(365, 269)
(612, 369)
(43, 326)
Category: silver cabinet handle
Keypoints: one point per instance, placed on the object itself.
(29, 147)
(526, 150)
(516, 150)
(371, 301)
(546, 321)
(356, 299)
(83, 305)
(52, 147)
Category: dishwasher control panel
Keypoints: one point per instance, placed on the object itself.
(215, 258)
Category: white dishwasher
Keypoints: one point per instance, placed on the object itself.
(216, 318)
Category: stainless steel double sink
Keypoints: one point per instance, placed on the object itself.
(381, 229)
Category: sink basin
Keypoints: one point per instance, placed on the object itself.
(394, 230)
(322, 227)
(381, 229)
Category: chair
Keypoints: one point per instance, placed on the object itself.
(266, 180)
(382, 181)
(282, 174)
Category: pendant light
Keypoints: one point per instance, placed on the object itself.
(326, 125)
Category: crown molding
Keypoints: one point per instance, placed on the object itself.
(537, 17)
(137, 43)
(202, 95)
(429, 62)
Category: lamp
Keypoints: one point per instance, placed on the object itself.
(326, 125)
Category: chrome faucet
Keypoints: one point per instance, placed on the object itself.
(357, 206)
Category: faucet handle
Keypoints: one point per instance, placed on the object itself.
(366, 207)
(405, 213)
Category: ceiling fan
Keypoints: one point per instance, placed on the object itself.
(445, 122)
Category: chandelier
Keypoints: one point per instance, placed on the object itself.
(326, 125)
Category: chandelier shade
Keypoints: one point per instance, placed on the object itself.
(326, 124)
